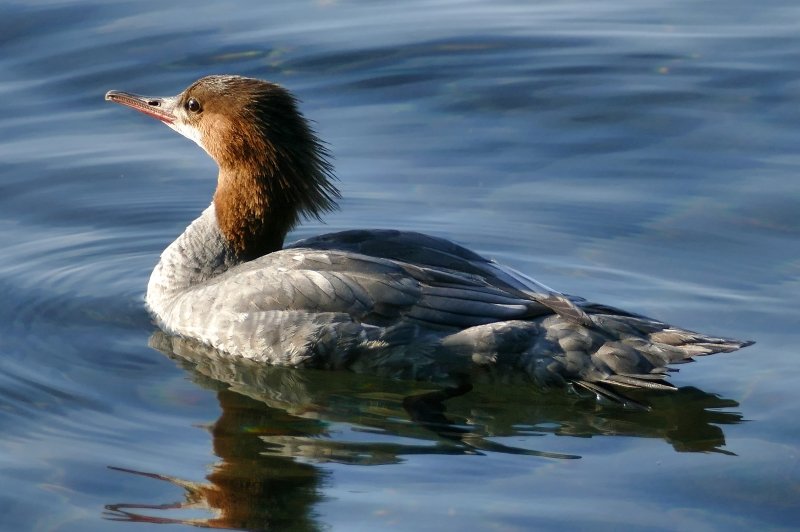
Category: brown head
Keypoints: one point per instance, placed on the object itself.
(272, 167)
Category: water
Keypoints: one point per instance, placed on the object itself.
(642, 154)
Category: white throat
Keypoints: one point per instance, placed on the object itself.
(190, 132)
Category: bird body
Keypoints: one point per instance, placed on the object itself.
(397, 303)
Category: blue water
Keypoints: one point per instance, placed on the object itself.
(638, 153)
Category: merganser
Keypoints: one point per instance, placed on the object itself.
(394, 302)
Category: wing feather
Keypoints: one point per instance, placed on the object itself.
(446, 286)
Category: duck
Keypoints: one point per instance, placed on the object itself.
(397, 303)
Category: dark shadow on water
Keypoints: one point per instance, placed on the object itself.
(277, 424)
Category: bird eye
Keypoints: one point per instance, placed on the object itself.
(193, 105)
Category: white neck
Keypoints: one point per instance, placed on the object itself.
(199, 254)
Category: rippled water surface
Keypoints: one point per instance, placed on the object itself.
(638, 153)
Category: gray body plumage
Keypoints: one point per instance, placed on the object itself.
(408, 305)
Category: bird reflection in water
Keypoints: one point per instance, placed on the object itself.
(278, 423)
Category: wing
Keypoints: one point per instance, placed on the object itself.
(371, 290)
(437, 253)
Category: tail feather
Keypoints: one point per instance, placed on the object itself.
(618, 350)
(665, 339)
(604, 392)
(698, 343)
(657, 375)
(638, 382)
